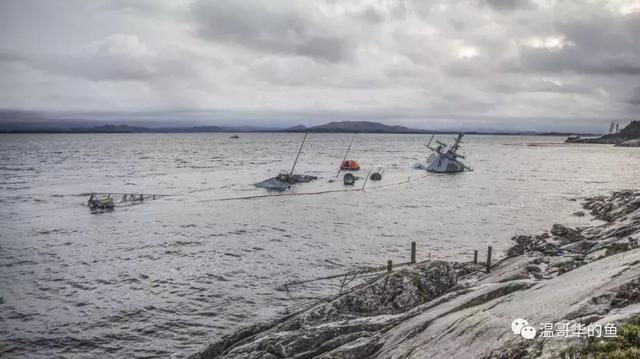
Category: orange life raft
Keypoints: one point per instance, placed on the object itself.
(349, 165)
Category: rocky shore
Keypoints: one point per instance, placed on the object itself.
(436, 309)
(627, 137)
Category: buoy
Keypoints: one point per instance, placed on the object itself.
(349, 179)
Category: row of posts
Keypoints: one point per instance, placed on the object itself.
(475, 258)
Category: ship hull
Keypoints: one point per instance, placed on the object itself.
(440, 164)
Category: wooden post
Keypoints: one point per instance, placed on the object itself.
(489, 259)
(389, 265)
(413, 252)
(475, 257)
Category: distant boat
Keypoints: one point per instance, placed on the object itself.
(235, 136)
(573, 139)
(445, 158)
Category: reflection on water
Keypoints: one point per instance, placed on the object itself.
(167, 276)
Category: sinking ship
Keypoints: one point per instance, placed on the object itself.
(283, 181)
(445, 158)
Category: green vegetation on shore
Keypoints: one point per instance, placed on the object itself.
(625, 346)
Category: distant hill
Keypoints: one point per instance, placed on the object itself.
(631, 135)
(354, 126)
(297, 128)
(114, 129)
(630, 132)
(77, 126)
(131, 129)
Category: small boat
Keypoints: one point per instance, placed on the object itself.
(349, 165)
(235, 136)
(445, 158)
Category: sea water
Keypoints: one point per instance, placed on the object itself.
(167, 276)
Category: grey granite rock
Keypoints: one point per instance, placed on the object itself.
(442, 310)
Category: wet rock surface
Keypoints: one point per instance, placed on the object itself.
(443, 310)
(347, 326)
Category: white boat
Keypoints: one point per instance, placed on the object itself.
(445, 158)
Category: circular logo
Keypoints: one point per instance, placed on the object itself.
(528, 332)
(517, 325)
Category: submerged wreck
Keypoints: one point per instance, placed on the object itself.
(104, 202)
(98, 205)
(283, 181)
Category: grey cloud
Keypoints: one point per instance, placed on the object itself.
(510, 5)
(271, 27)
(133, 5)
(118, 57)
(371, 15)
(517, 85)
(468, 67)
(602, 44)
(409, 60)
(330, 48)
(578, 60)
(8, 56)
(635, 97)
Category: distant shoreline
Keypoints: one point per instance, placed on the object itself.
(331, 127)
(185, 131)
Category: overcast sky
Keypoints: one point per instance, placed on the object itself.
(475, 64)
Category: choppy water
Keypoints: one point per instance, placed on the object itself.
(168, 276)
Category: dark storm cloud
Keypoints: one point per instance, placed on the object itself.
(270, 27)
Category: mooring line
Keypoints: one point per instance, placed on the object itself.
(279, 195)
(369, 189)
(408, 180)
